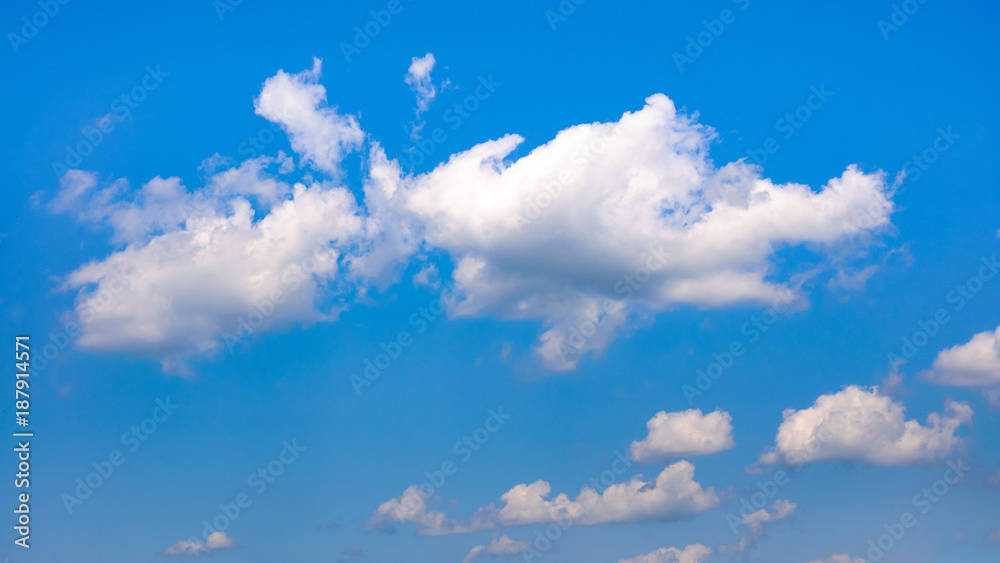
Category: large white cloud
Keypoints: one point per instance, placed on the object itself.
(682, 434)
(858, 424)
(609, 221)
(605, 224)
(973, 364)
(673, 494)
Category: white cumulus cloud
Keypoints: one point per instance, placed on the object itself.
(590, 234)
(498, 547)
(973, 364)
(681, 434)
(671, 495)
(610, 222)
(857, 424)
(695, 553)
(418, 78)
(219, 277)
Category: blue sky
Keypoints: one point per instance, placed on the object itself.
(279, 198)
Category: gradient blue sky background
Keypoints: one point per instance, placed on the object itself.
(890, 97)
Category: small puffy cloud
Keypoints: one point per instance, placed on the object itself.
(215, 541)
(973, 364)
(840, 558)
(858, 424)
(695, 553)
(411, 506)
(498, 547)
(186, 547)
(418, 78)
(681, 434)
(756, 522)
(219, 540)
(297, 102)
(673, 494)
